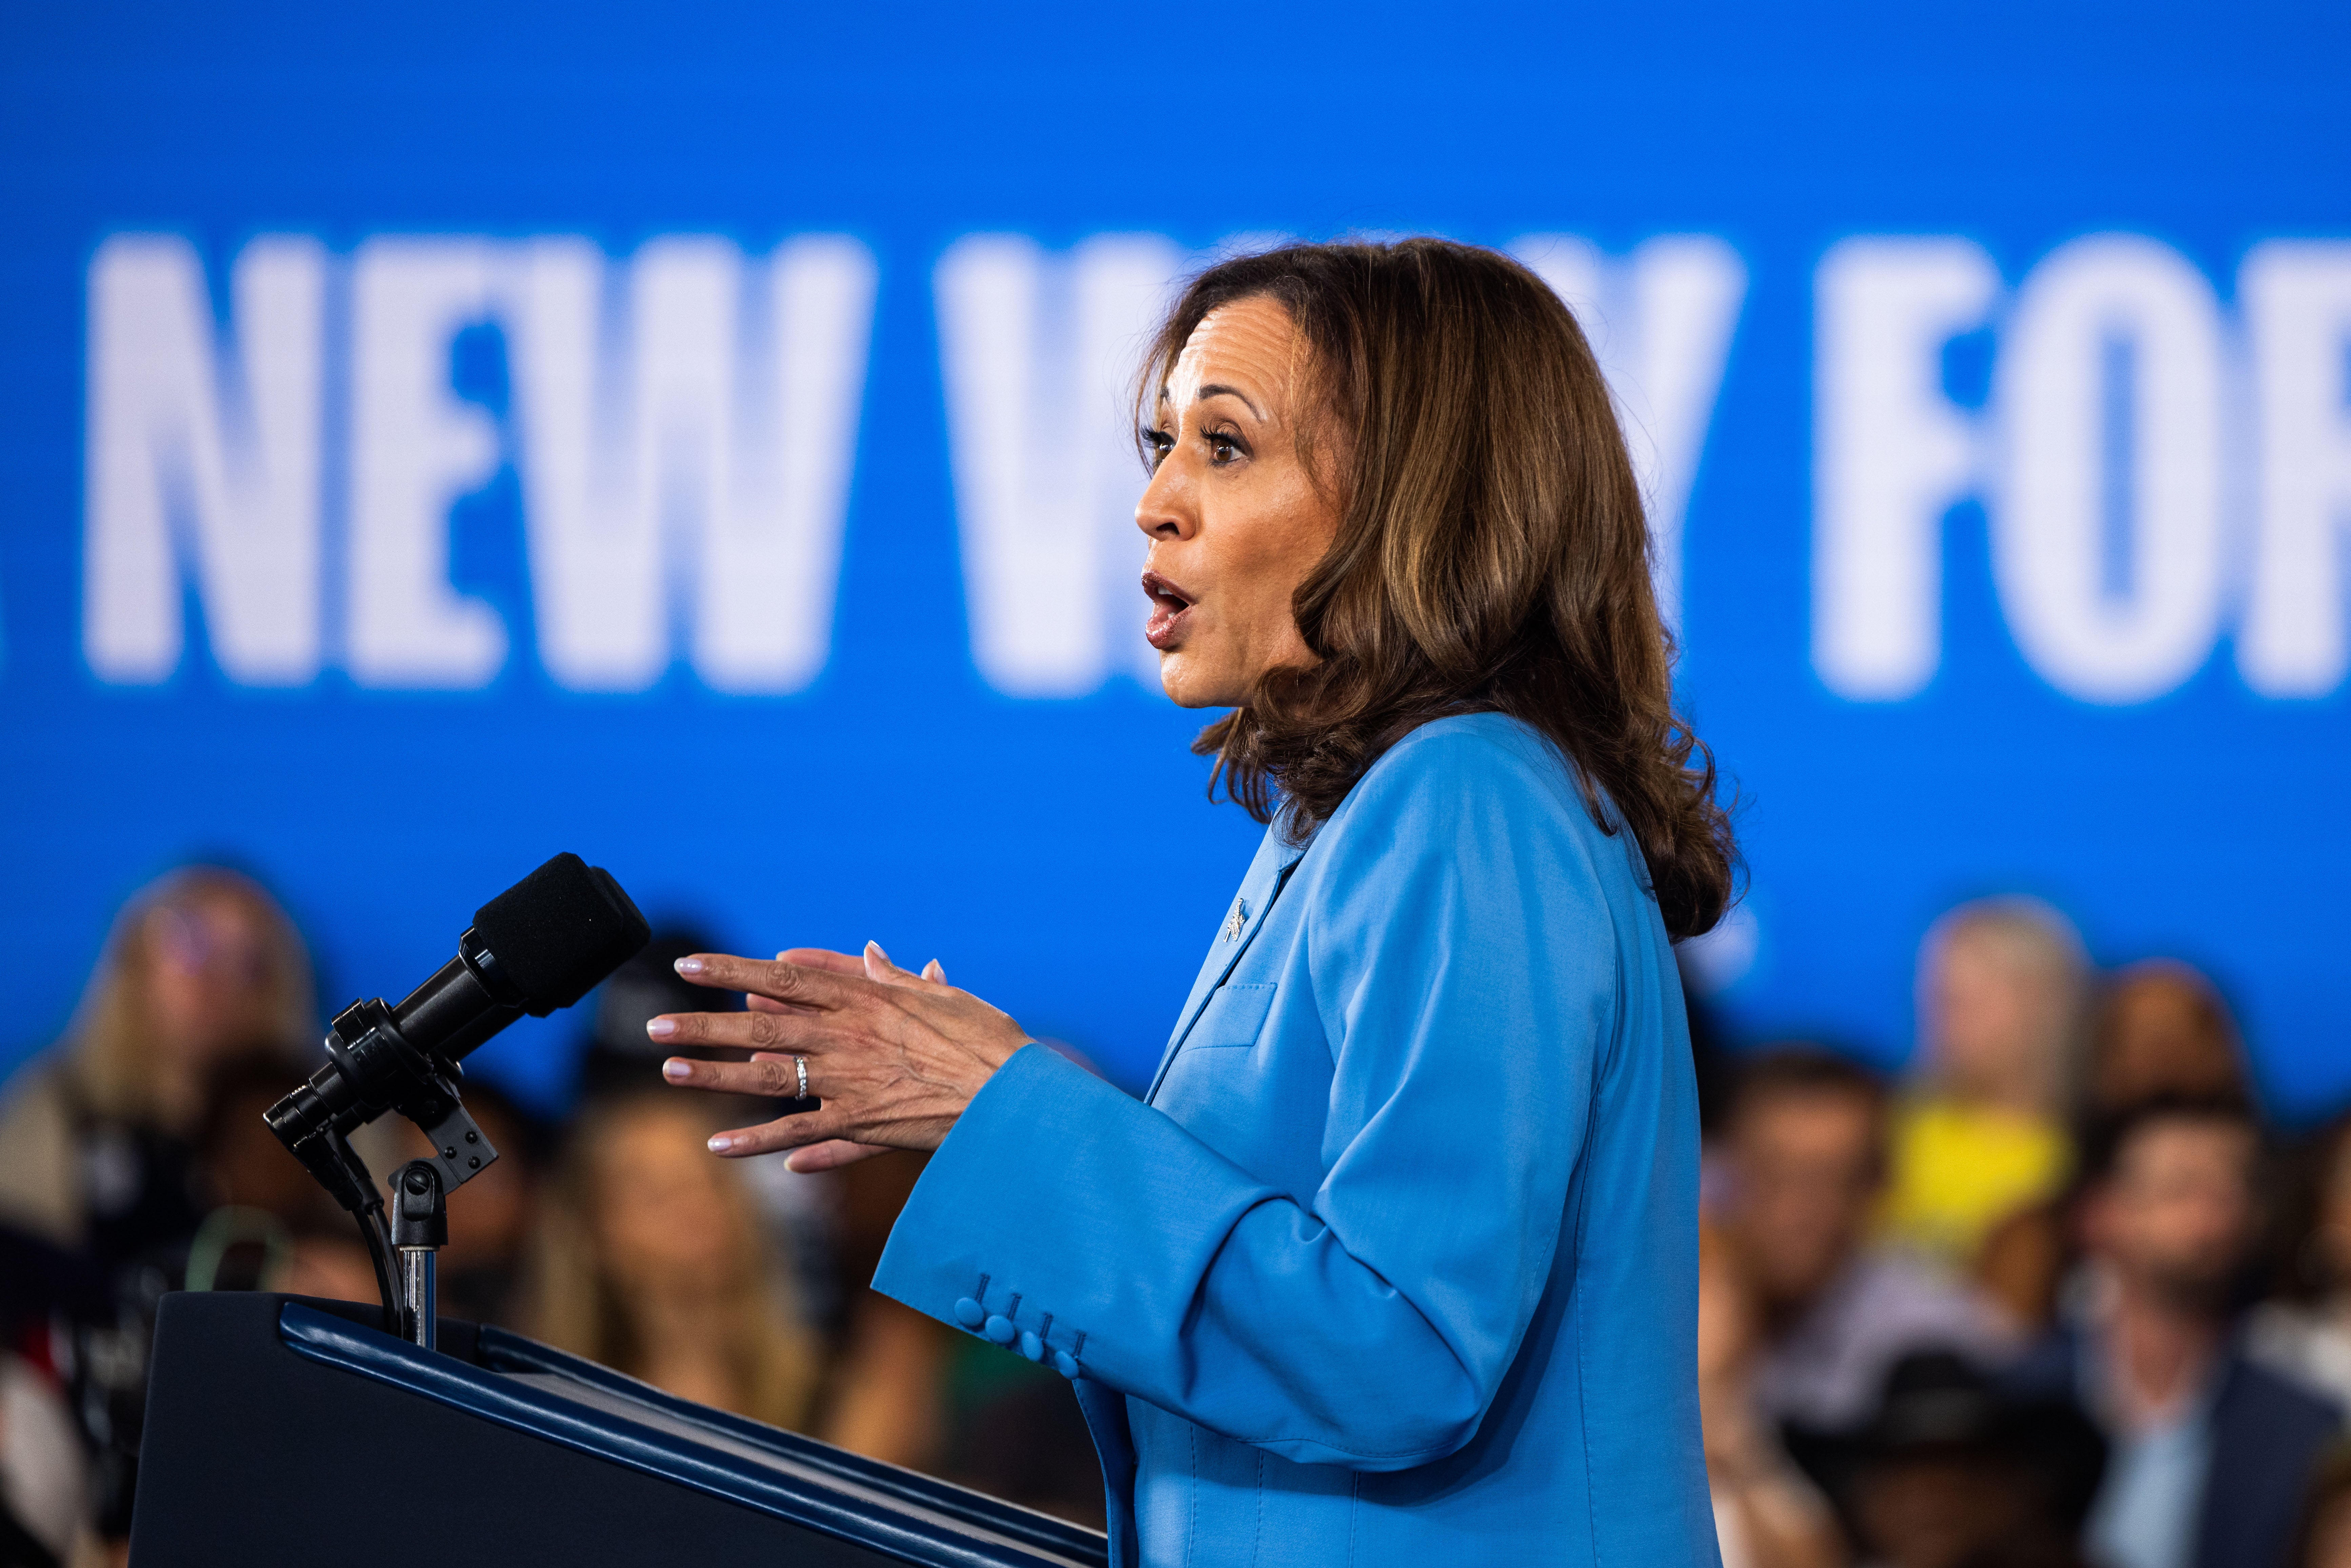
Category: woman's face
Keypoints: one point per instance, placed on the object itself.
(1988, 1021)
(1235, 517)
(208, 977)
(664, 1222)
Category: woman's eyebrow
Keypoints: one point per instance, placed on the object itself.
(1217, 389)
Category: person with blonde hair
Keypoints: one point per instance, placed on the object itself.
(2002, 987)
(202, 966)
(202, 970)
(651, 1258)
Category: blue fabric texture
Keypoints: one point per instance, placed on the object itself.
(1396, 1262)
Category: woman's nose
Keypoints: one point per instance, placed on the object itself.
(1166, 512)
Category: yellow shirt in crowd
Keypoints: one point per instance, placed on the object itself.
(1960, 1170)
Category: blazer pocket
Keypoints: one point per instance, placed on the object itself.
(1232, 1018)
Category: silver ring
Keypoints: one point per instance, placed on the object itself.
(801, 1062)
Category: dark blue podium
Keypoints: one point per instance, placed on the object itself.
(285, 1430)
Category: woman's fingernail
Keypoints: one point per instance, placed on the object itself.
(661, 1028)
(875, 948)
(676, 1070)
(689, 965)
(720, 1143)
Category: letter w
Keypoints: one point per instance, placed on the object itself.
(680, 442)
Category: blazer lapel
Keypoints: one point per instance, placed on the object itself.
(1243, 917)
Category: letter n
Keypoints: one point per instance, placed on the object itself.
(203, 454)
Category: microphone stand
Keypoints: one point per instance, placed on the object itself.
(420, 1227)
(422, 1088)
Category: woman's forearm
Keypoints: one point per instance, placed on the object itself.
(1062, 1209)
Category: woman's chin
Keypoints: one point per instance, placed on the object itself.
(1187, 685)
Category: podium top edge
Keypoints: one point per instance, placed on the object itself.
(531, 1388)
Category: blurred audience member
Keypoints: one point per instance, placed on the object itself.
(887, 1397)
(2208, 1451)
(649, 1258)
(2305, 1331)
(271, 1226)
(799, 1211)
(1766, 1514)
(43, 1480)
(2325, 1539)
(1999, 1002)
(95, 1162)
(2159, 1029)
(92, 1136)
(1802, 1162)
(240, 1163)
(884, 1391)
(1952, 1472)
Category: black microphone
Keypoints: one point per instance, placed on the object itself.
(541, 945)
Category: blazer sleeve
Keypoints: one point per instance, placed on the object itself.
(1462, 960)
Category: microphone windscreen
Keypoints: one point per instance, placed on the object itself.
(559, 931)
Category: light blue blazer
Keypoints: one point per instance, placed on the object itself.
(1395, 1265)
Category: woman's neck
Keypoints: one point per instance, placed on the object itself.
(682, 1343)
(659, 1313)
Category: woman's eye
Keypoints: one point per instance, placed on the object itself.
(1159, 444)
(1222, 448)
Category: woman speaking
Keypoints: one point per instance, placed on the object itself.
(1395, 1264)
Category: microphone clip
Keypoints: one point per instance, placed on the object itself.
(373, 1067)
(365, 1041)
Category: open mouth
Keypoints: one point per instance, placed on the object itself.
(1170, 605)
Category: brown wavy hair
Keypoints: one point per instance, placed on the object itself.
(1491, 555)
(576, 1301)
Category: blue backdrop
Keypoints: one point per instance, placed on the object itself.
(688, 435)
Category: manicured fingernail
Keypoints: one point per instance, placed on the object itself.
(689, 965)
(661, 1028)
(676, 1070)
(875, 948)
(720, 1144)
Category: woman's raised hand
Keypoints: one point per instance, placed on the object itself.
(893, 1055)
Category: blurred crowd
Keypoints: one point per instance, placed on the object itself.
(2061, 1295)
(134, 1161)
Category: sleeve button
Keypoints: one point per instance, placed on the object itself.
(999, 1329)
(1032, 1347)
(969, 1313)
(1065, 1364)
